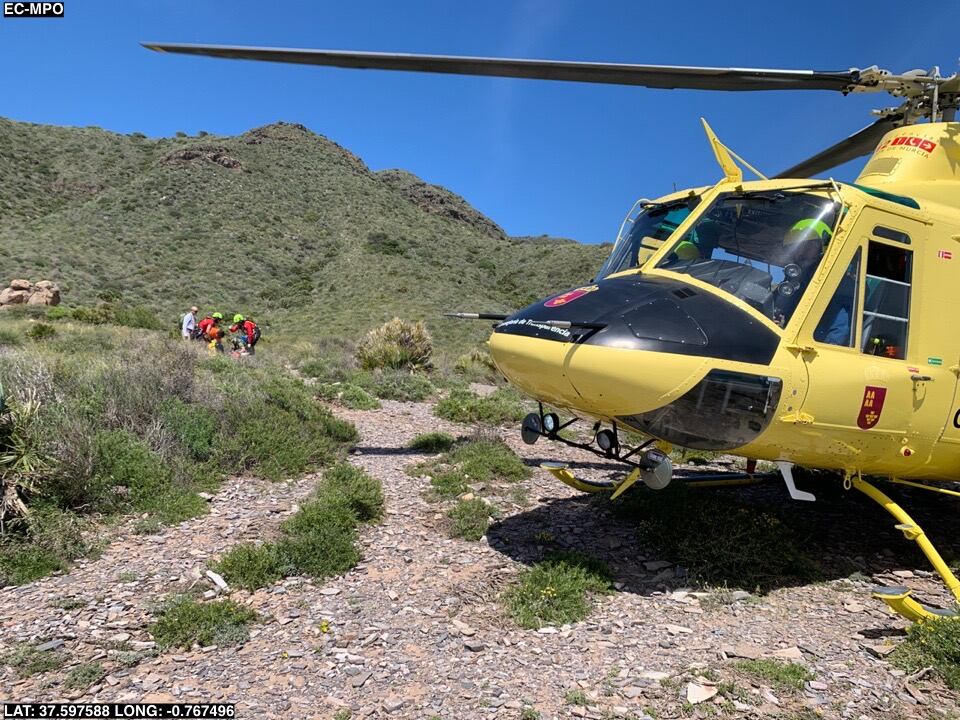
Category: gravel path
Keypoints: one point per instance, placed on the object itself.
(416, 629)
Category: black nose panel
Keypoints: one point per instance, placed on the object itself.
(656, 314)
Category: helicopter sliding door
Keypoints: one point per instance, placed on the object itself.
(876, 382)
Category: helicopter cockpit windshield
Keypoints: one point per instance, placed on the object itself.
(655, 223)
(761, 247)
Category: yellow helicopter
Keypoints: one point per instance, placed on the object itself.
(786, 319)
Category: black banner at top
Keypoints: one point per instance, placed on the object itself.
(32, 9)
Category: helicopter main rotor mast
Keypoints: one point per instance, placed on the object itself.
(925, 93)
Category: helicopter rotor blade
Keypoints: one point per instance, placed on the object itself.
(860, 143)
(653, 76)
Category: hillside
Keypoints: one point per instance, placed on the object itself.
(278, 223)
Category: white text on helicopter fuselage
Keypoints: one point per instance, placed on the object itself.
(562, 332)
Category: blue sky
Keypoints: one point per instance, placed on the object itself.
(537, 157)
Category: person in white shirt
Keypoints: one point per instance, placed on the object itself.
(188, 327)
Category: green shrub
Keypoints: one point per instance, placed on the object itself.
(22, 457)
(356, 398)
(22, 562)
(48, 539)
(364, 494)
(396, 344)
(485, 459)
(476, 365)
(932, 643)
(470, 519)
(83, 676)
(194, 426)
(274, 443)
(780, 675)
(112, 312)
(41, 331)
(477, 460)
(448, 484)
(185, 621)
(320, 540)
(10, 338)
(556, 591)
(381, 243)
(273, 424)
(251, 566)
(464, 406)
(92, 316)
(719, 542)
(432, 442)
(331, 361)
(130, 476)
(136, 317)
(395, 384)
(59, 312)
(27, 660)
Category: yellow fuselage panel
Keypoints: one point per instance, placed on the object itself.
(598, 381)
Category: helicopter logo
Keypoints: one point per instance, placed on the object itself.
(871, 407)
(570, 296)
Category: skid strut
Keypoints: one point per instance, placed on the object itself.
(898, 598)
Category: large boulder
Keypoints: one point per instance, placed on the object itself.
(23, 292)
(11, 296)
(45, 296)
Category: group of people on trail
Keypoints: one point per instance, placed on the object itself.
(245, 332)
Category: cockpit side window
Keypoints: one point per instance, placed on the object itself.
(762, 247)
(650, 228)
(838, 324)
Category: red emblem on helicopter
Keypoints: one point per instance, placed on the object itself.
(871, 407)
(570, 296)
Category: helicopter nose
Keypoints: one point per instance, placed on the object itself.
(598, 380)
(625, 345)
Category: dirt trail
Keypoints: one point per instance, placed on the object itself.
(416, 630)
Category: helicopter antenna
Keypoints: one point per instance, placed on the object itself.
(731, 170)
(725, 156)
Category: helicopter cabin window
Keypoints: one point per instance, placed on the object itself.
(761, 247)
(838, 325)
(650, 228)
(886, 303)
(890, 234)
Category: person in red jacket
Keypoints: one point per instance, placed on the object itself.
(247, 332)
(211, 331)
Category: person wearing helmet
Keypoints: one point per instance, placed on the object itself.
(211, 331)
(803, 246)
(247, 333)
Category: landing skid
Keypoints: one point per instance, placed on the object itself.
(605, 444)
(648, 460)
(898, 598)
(562, 473)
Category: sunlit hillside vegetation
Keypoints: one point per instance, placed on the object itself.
(278, 223)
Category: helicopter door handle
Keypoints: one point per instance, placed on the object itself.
(921, 378)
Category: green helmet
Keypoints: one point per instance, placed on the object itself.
(808, 229)
(217, 316)
(238, 318)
